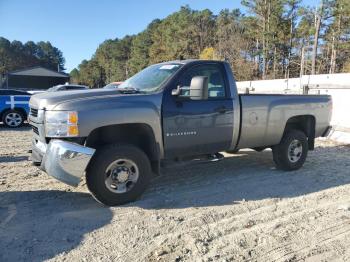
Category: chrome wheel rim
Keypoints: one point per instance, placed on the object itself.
(121, 176)
(295, 151)
(13, 119)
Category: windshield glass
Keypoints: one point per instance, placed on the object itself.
(54, 88)
(150, 78)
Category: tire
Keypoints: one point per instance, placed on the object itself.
(105, 188)
(292, 151)
(13, 118)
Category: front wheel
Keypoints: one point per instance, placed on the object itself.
(13, 118)
(118, 174)
(291, 153)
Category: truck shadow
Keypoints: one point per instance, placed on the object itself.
(247, 176)
(38, 225)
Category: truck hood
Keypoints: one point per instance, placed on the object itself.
(52, 100)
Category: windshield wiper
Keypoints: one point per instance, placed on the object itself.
(128, 90)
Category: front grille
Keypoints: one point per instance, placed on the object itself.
(35, 130)
(34, 112)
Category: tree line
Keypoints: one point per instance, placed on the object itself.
(17, 55)
(273, 39)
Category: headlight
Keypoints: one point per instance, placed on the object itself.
(61, 124)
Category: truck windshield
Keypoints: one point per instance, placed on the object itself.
(150, 78)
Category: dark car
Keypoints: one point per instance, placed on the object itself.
(67, 88)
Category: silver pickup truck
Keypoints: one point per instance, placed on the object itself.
(178, 111)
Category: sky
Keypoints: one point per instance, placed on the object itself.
(77, 27)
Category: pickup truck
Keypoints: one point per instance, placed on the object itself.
(171, 112)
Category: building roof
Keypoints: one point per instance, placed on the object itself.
(38, 71)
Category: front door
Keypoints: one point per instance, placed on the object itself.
(193, 127)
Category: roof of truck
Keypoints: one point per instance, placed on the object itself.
(187, 61)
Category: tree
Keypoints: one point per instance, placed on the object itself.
(5, 55)
(322, 14)
(275, 39)
(140, 57)
(173, 38)
(91, 74)
(269, 14)
(234, 43)
(304, 33)
(75, 76)
(50, 56)
(293, 6)
(202, 29)
(209, 53)
(338, 36)
(16, 55)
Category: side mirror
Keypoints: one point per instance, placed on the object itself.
(199, 88)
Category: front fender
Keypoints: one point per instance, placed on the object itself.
(141, 109)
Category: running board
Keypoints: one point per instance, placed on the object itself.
(193, 160)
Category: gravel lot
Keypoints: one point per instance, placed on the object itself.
(239, 209)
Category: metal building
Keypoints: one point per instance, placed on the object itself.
(34, 78)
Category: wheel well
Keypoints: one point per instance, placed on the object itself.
(24, 113)
(304, 123)
(140, 135)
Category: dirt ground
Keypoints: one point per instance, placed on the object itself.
(239, 209)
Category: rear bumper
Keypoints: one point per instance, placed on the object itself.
(63, 160)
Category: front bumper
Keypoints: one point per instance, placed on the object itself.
(65, 161)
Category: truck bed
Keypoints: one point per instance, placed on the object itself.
(264, 116)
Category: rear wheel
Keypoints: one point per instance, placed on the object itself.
(291, 153)
(13, 118)
(118, 174)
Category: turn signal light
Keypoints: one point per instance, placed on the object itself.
(73, 118)
(73, 130)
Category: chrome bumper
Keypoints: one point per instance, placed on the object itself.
(66, 161)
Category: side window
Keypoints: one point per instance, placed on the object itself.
(6, 92)
(216, 83)
(15, 92)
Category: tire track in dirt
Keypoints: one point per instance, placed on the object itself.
(238, 209)
(330, 233)
(12, 211)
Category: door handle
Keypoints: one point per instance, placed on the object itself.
(221, 109)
